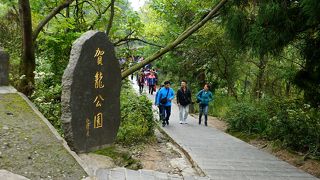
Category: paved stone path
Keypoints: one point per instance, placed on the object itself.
(127, 174)
(222, 156)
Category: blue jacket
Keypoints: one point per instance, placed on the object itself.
(151, 81)
(204, 97)
(156, 98)
(162, 93)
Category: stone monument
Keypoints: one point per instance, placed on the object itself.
(91, 93)
(4, 68)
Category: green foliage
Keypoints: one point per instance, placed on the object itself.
(294, 124)
(268, 27)
(47, 98)
(137, 123)
(247, 117)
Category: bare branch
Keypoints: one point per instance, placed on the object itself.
(99, 17)
(123, 39)
(135, 39)
(111, 18)
(54, 12)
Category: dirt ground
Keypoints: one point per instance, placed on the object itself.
(165, 157)
(160, 155)
(309, 165)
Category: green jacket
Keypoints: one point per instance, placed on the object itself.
(204, 97)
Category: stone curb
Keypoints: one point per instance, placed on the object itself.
(193, 163)
(7, 89)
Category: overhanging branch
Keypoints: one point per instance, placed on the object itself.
(136, 39)
(172, 45)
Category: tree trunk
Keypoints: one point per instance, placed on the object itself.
(288, 89)
(259, 87)
(27, 65)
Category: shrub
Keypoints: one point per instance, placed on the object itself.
(137, 123)
(297, 126)
(246, 117)
(294, 124)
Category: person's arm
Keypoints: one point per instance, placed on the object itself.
(210, 97)
(199, 96)
(178, 95)
(171, 94)
(158, 97)
(189, 96)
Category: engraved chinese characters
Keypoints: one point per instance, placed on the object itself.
(91, 93)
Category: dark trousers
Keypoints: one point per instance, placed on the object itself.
(160, 112)
(166, 112)
(141, 88)
(203, 109)
(151, 89)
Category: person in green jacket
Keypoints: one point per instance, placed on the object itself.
(204, 97)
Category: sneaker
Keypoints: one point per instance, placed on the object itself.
(180, 122)
(163, 125)
(185, 123)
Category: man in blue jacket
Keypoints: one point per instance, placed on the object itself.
(204, 97)
(164, 99)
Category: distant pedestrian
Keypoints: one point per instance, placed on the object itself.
(203, 98)
(151, 83)
(140, 81)
(183, 101)
(164, 99)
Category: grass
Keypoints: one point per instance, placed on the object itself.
(120, 157)
(244, 136)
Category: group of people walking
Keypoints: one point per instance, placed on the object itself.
(166, 94)
(147, 77)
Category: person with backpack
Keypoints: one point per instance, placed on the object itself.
(165, 96)
(183, 101)
(203, 98)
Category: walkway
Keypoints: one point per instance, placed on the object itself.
(222, 156)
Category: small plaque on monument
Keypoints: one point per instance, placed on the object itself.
(4, 68)
(91, 93)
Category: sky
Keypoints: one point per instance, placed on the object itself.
(136, 4)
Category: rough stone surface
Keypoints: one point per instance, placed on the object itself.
(91, 91)
(28, 145)
(4, 68)
(6, 175)
(96, 161)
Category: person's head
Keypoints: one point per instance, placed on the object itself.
(183, 83)
(206, 87)
(167, 84)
